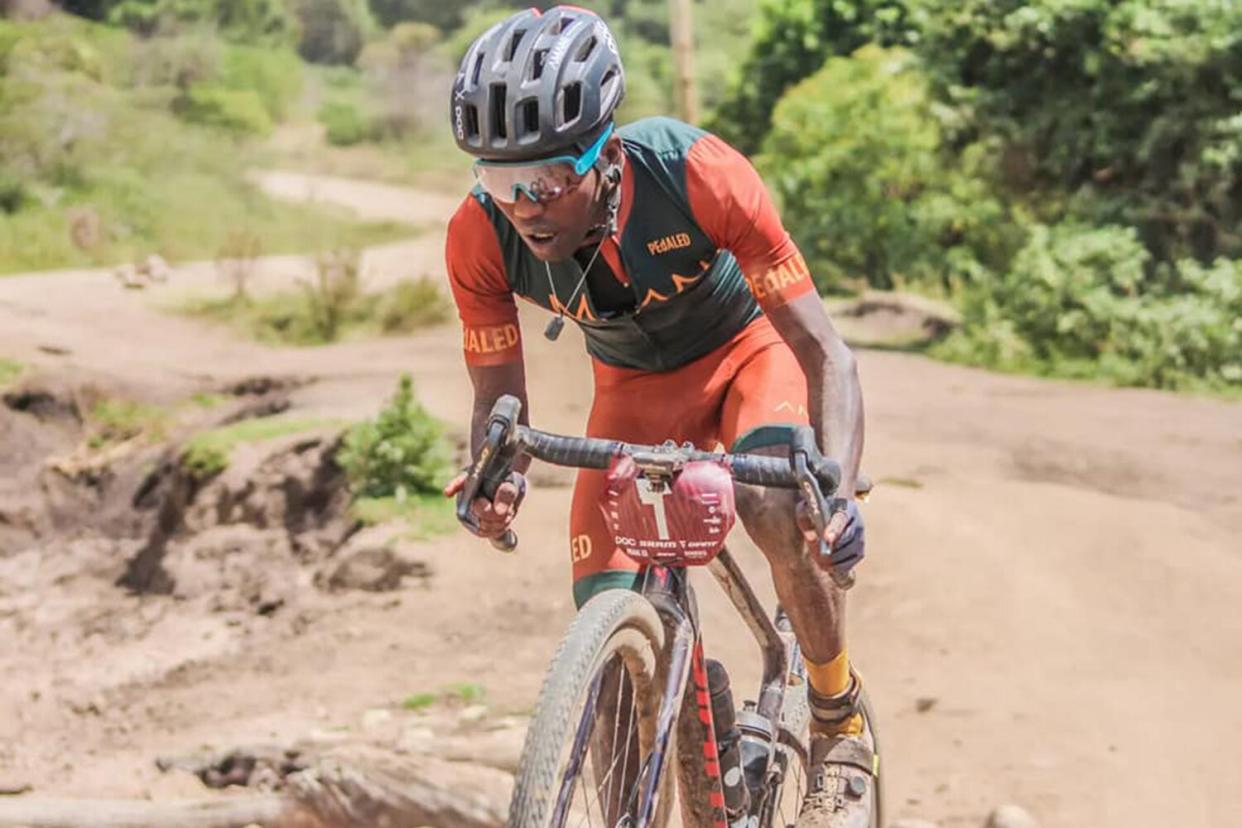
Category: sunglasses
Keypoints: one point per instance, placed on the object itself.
(540, 181)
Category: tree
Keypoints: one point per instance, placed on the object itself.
(792, 40)
(855, 157)
(332, 31)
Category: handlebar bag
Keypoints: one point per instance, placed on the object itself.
(683, 523)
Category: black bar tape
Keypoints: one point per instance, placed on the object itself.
(580, 452)
(763, 471)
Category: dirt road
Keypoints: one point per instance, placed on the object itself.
(1055, 575)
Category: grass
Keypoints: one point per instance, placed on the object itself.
(207, 454)
(10, 370)
(208, 400)
(297, 317)
(462, 693)
(426, 515)
(127, 177)
(117, 420)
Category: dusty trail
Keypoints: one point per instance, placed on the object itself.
(1057, 567)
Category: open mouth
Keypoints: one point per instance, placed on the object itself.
(541, 238)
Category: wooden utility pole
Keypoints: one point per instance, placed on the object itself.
(682, 30)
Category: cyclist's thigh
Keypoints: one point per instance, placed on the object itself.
(636, 408)
(768, 389)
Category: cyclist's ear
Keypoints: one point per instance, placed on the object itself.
(612, 157)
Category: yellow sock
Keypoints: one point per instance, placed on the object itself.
(833, 679)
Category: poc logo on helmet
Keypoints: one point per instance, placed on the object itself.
(459, 122)
(604, 34)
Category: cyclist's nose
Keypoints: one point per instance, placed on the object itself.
(526, 207)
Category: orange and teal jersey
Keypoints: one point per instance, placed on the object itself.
(698, 254)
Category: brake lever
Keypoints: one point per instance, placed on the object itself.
(492, 467)
(803, 457)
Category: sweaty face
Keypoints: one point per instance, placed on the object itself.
(554, 230)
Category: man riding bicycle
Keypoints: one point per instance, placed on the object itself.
(699, 314)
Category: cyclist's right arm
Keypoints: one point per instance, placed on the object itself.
(491, 339)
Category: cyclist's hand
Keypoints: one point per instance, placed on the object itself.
(845, 535)
(495, 516)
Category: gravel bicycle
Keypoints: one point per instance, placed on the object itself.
(631, 711)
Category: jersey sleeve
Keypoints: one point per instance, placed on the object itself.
(732, 205)
(476, 271)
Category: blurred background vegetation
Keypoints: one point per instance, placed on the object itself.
(1068, 173)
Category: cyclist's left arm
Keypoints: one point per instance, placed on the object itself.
(732, 205)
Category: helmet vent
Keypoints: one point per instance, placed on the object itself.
(536, 70)
(573, 102)
(564, 23)
(586, 50)
(500, 93)
(514, 42)
(472, 122)
(478, 70)
(530, 117)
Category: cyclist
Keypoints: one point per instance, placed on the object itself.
(661, 242)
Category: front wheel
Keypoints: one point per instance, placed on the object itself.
(594, 726)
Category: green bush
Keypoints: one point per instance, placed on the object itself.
(87, 131)
(236, 110)
(855, 157)
(442, 15)
(273, 74)
(344, 124)
(10, 370)
(411, 304)
(791, 41)
(251, 21)
(400, 453)
(1129, 107)
(1079, 302)
(327, 309)
(208, 452)
(12, 193)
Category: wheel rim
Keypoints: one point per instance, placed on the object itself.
(599, 783)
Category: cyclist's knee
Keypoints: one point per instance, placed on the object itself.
(768, 515)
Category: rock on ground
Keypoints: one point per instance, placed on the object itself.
(1011, 816)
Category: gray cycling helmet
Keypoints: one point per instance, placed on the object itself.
(537, 84)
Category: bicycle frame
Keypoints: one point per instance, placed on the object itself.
(670, 593)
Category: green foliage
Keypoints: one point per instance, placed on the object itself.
(309, 318)
(274, 75)
(332, 31)
(117, 420)
(401, 453)
(207, 453)
(1078, 302)
(12, 193)
(855, 156)
(792, 39)
(344, 124)
(250, 21)
(444, 16)
(10, 370)
(88, 141)
(409, 305)
(208, 400)
(236, 110)
(462, 693)
(1145, 129)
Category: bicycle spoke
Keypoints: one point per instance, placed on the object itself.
(603, 799)
(616, 729)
